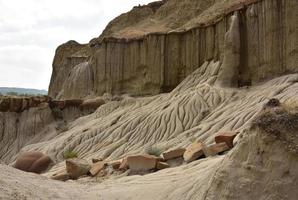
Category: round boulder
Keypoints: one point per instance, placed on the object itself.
(34, 161)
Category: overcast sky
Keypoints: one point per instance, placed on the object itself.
(30, 31)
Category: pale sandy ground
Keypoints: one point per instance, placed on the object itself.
(166, 184)
(259, 167)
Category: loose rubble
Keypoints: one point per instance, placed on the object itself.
(142, 164)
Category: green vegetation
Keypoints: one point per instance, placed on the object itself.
(70, 154)
(12, 94)
(154, 150)
(22, 92)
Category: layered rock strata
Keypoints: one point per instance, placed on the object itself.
(156, 60)
(25, 121)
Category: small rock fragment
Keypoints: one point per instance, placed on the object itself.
(226, 137)
(162, 165)
(124, 164)
(215, 149)
(172, 154)
(115, 164)
(193, 151)
(64, 176)
(77, 167)
(236, 139)
(97, 167)
(95, 160)
(141, 162)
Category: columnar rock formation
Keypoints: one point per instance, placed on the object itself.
(144, 58)
(202, 52)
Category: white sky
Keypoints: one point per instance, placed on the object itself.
(30, 31)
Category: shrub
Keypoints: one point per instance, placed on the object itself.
(154, 150)
(70, 154)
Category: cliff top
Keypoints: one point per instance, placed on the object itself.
(169, 16)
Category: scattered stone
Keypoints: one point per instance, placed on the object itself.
(226, 137)
(236, 139)
(176, 162)
(77, 167)
(193, 152)
(141, 162)
(162, 165)
(103, 173)
(157, 158)
(96, 168)
(34, 161)
(215, 149)
(124, 164)
(172, 154)
(95, 160)
(64, 176)
(115, 164)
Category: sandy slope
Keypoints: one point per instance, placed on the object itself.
(259, 167)
(195, 109)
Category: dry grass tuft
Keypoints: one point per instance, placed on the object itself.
(281, 122)
(70, 154)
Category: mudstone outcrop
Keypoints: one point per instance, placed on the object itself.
(254, 40)
(174, 100)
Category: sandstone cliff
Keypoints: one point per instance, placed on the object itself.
(171, 39)
(201, 53)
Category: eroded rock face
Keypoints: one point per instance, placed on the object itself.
(67, 56)
(229, 70)
(26, 120)
(195, 108)
(20, 129)
(19, 104)
(259, 43)
(267, 164)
